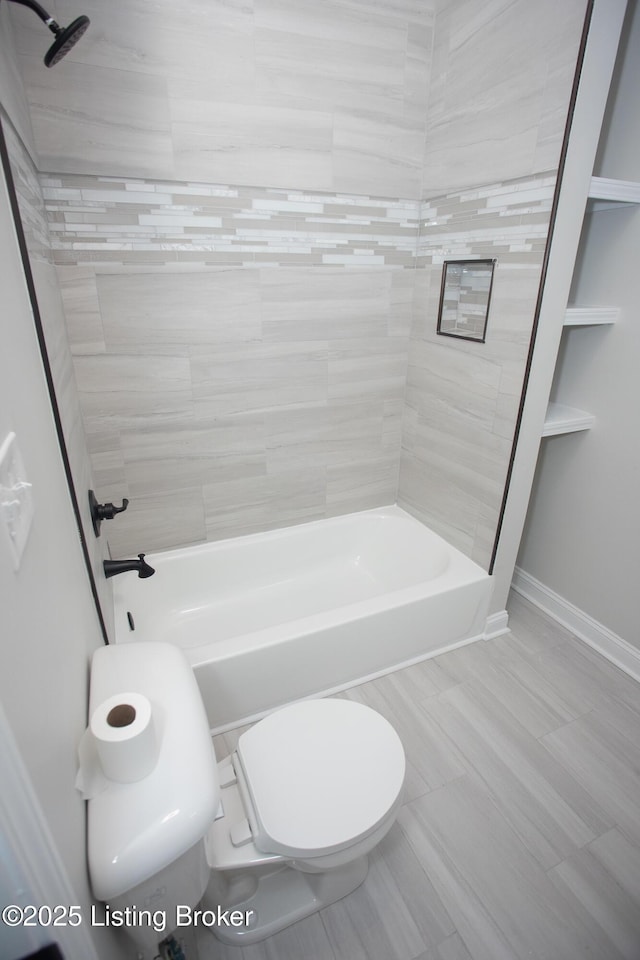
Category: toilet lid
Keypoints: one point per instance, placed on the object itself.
(321, 774)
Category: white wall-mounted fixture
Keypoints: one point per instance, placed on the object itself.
(16, 498)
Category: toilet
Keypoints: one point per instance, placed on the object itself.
(271, 834)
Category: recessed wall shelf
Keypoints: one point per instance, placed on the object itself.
(590, 316)
(563, 419)
(604, 193)
(607, 193)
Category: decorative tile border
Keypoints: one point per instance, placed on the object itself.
(93, 219)
(112, 220)
(499, 220)
(115, 221)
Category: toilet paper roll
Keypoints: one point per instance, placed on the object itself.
(124, 734)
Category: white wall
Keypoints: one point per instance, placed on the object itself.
(27, 186)
(583, 527)
(49, 621)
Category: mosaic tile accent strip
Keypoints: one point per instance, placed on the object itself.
(504, 220)
(100, 219)
(288, 357)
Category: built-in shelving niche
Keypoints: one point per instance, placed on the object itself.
(604, 194)
(590, 316)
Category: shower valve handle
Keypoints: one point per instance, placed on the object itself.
(103, 511)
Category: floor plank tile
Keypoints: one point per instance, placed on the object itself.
(605, 763)
(604, 882)
(550, 810)
(519, 836)
(501, 900)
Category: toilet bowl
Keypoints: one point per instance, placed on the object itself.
(271, 834)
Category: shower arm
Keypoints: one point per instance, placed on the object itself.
(42, 13)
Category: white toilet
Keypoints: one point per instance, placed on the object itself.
(268, 836)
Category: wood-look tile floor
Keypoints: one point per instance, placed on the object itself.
(520, 832)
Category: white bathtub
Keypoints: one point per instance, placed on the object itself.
(310, 609)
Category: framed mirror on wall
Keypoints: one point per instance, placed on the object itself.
(465, 295)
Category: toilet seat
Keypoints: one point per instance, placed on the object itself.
(320, 775)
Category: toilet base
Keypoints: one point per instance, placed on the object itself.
(281, 897)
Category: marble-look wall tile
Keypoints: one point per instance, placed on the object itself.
(327, 304)
(390, 151)
(500, 87)
(254, 504)
(33, 213)
(107, 460)
(120, 391)
(258, 377)
(289, 137)
(142, 310)
(321, 62)
(337, 433)
(361, 485)
(329, 96)
(246, 143)
(272, 396)
(97, 119)
(79, 292)
(159, 521)
(167, 457)
(462, 397)
(198, 373)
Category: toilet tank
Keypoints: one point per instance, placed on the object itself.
(142, 835)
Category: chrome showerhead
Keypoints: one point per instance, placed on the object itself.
(66, 37)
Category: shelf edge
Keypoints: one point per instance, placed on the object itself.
(621, 191)
(590, 316)
(563, 419)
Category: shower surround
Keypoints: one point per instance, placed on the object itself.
(250, 356)
(242, 354)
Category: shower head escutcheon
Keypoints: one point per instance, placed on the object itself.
(66, 37)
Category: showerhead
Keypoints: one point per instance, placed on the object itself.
(66, 38)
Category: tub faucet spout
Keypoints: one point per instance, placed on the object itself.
(113, 567)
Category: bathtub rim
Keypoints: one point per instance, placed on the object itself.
(392, 510)
(460, 571)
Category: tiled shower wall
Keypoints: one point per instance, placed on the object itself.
(327, 95)
(242, 351)
(240, 354)
(462, 397)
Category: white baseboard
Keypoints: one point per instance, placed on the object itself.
(496, 625)
(609, 644)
